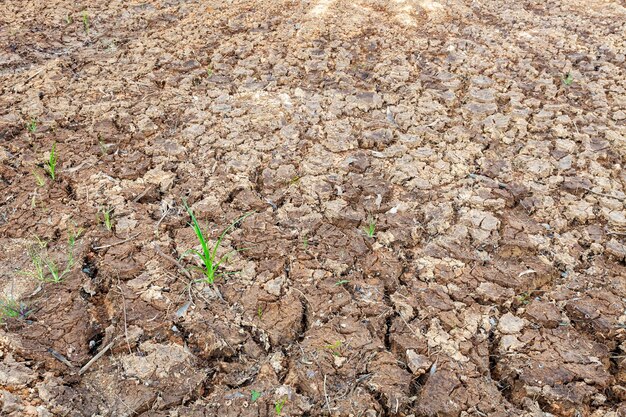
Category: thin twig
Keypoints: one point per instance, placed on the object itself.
(156, 228)
(307, 300)
(158, 250)
(144, 192)
(95, 358)
(326, 396)
(602, 194)
(125, 322)
(60, 358)
(116, 243)
(34, 75)
(37, 291)
(407, 325)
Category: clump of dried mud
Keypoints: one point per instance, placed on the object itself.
(485, 139)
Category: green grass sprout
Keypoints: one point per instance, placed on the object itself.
(51, 163)
(255, 395)
(278, 406)
(39, 179)
(524, 298)
(335, 348)
(295, 180)
(45, 269)
(32, 126)
(40, 242)
(208, 255)
(11, 308)
(86, 22)
(107, 217)
(568, 79)
(371, 227)
(74, 234)
(102, 145)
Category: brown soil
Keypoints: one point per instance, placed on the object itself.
(495, 284)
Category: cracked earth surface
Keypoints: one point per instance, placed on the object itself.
(485, 139)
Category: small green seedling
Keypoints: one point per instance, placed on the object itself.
(45, 269)
(295, 180)
(107, 214)
(568, 79)
(342, 282)
(278, 406)
(259, 312)
(255, 395)
(51, 163)
(86, 22)
(102, 145)
(524, 298)
(209, 72)
(73, 234)
(39, 179)
(11, 308)
(40, 242)
(335, 348)
(32, 126)
(371, 227)
(305, 241)
(208, 255)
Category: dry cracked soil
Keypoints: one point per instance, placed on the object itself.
(483, 141)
